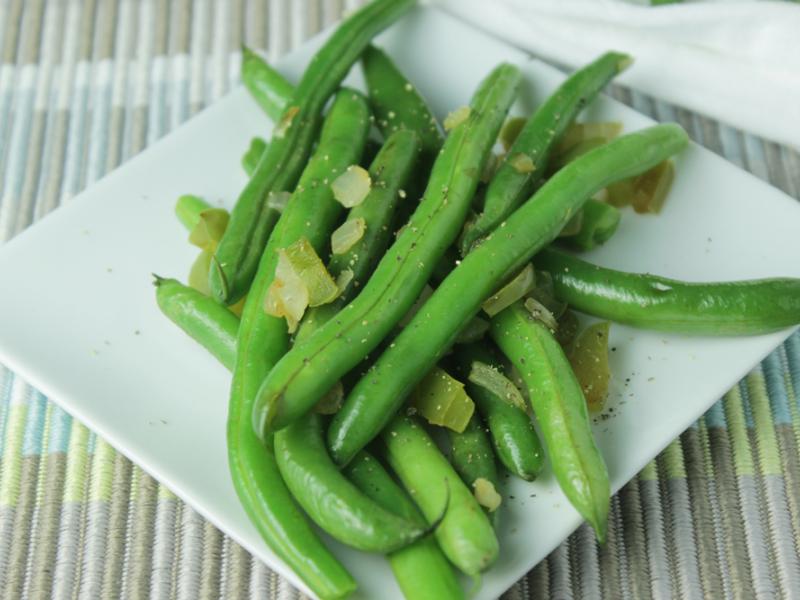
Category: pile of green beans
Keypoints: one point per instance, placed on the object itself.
(289, 463)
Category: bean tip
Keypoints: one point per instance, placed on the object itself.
(623, 62)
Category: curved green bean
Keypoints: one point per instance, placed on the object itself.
(205, 320)
(330, 499)
(559, 406)
(515, 440)
(262, 338)
(188, 209)
(471, 453)
(465, 534)
(379, 394)
(396, 103)
(510, 186)
(276, 515)
(311, 368)
(252, 219)
(749, 307)
(390, 172)
(268, 88)
(421, 570)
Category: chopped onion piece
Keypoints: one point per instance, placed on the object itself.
(441, 400)
(652, 188)
(486, 495)
(210, 226)
(238, 307)
(589, 360)
(322, 289)
(343, 279)
(492, 379)
(286, 121)
(579, 132)
(522, 163)
(347, 235)
(351, 187)
(332, 401)
(510, 131)
(511, 292)
(287, 296)
(474, 331)
(455, 118)
(198, 275)
(278, 200)
(541, 314)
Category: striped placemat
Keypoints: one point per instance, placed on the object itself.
(86, 84)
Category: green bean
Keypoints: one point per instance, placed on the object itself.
(188, 209)
(559, 406)
(421, 569)
(205, 320)
(471, 453)
(252, 219)
(515, 440)
(379, 394)
(269, 88)
(311, 368)
(390, 172)
(275, 514)
(598, 224)
(333, 502)
(396, 104)
(510, 187)
(262, 339)
(465, 534)
(748, 307)
(254, 153)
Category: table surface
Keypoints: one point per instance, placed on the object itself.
(85, 85)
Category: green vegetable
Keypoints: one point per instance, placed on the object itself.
(510, 187)
(465, 534)
(258, 146)
(268, 87)
(421, 569)
(332, 502)
(252, 220)
(310, 368)
(560, 408)
(396, 103)
(188, 209)
(514, 438)
(275, 514)
(262, 339)
(599, 223)
(748, 307)
(471, 454)
(441, 400)
(391, 170)
(378, 395)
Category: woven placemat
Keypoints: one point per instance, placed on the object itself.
(84, 85)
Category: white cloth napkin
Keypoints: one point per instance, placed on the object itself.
(738, 62)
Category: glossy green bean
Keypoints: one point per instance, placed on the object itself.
(379, 394)
(268, 88)
(390, 173)
(471, 453)
(209, 323)
(262, 338)
(396, 103)
(465, 534)
(310, 369)
(510, 187)
(254, 153)
(276, 515)
(598, 223)
(560, 408)
(421, 569)
(515, 440)
(188, 209)
(748, 307)
(330, 499)
(252, 219)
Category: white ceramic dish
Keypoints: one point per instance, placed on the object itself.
(79, 321)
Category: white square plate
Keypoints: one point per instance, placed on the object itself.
(79, 321)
